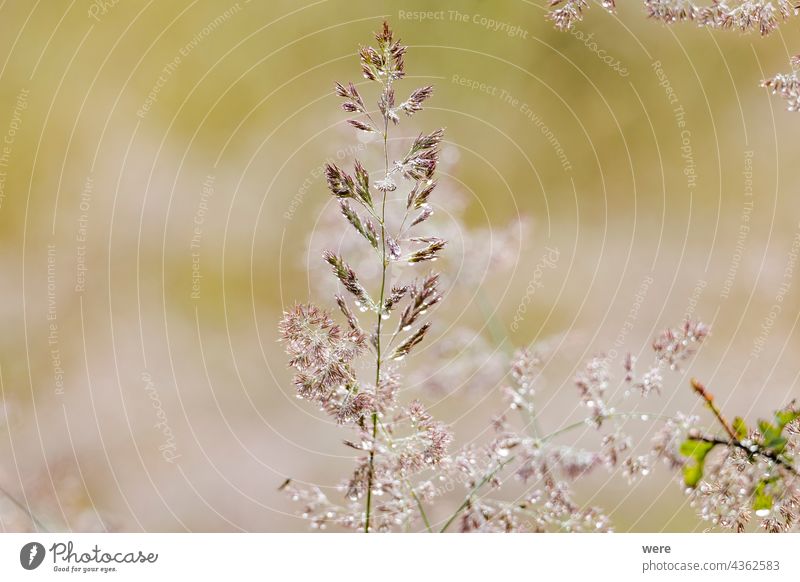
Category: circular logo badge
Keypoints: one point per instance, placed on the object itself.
(31, 555)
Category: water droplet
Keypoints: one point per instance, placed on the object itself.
(645, 472)
(384, 316)
(502, 452)
(645, 418)
(399, 358)
(406, 327)
(762, 512)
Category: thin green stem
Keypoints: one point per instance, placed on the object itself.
(581, 423)
(544, 439)
(371, 470)
(473, 492)
(391, 440)
(421, 508)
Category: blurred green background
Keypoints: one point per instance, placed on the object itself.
(160, 187)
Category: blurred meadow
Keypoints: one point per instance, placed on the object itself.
(162, 202)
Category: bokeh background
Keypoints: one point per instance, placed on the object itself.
(161, 203)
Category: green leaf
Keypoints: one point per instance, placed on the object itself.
(740, 428)
(776, 444)
(692, 474)
(784, 417)
(697, 450)
(772, 438)
(762, 500)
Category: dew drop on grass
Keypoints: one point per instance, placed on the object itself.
(762, 512)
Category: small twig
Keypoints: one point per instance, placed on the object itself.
(733, 440)
(761, 451)
(709, 400)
